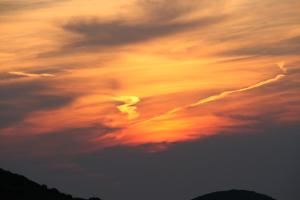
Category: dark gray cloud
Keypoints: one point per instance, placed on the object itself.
(167, 10)
(66, 142)
(160, 18)
(18, 99)
(116, 33)
(289, 46)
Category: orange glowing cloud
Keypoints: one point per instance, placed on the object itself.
(168, 130)
(152, 71)
(174, 127)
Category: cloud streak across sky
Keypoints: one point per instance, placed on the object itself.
(227, 93)
(25, 74)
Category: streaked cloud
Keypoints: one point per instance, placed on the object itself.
(225, 94)
(290, 46)
(19, 99)
(158, 19)
(7, 6)
(257, 85)
(26, 74)
(180, 124)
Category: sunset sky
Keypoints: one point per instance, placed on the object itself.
(141, 85)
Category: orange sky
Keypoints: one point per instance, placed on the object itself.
(147, 71)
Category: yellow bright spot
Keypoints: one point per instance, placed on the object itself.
(281, 65)
(128, 107)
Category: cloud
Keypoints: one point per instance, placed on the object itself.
(25, 74)
(19, 99)
(223, 94)
(285, 47)
(69, 141)
(7, 6)
(96, 33)
(157, 19)
(128, 107)
(38, 71)
(202, 119)
(251, 87)
(166, 10)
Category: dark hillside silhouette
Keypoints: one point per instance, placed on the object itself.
(234, 195)
(16, 187)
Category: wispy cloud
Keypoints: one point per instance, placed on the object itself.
(156, 19)
(19, 5)
(19, 99)
(222, 95)
(129, 106)
(251, 87)
(161, 127)
(26, 74)
(290, 46)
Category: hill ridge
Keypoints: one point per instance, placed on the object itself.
(234, 194)
(18, 187)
